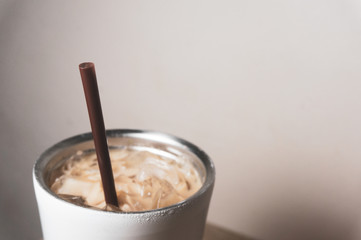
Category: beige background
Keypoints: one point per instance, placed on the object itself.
(270, 89)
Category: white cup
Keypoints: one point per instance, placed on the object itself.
(62, 220)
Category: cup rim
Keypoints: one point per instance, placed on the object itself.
(166, 138)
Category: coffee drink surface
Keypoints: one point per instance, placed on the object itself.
(145, 179)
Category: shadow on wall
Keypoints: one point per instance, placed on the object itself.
(299, 221)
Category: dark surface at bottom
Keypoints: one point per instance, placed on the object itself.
(214, 232)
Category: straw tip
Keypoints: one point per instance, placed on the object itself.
(86, 65)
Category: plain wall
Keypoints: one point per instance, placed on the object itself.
(270, 89)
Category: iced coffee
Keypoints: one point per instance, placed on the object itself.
(145, 179)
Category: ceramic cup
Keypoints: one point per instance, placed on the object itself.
(62, 220)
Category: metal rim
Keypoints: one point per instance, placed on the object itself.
(140, 134)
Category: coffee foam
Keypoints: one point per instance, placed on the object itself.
(144, 180)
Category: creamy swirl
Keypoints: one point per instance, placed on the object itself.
(143, 180)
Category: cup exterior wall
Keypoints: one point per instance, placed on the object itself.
(63, 220)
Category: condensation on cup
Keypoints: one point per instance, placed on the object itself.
(61, 219)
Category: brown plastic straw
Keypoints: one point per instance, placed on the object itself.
(87, 72)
